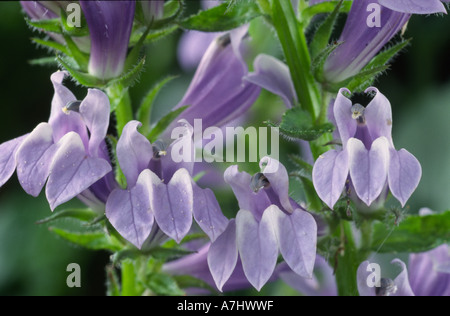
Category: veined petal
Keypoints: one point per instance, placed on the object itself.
(297, 237)
(258, 247)
(72, 171)
(414, 6)
(34, 158)
(223, 255)
(402, 281)
(173, 203)
(330, 172)
(274, 76)
(248, 200)
(207, 212)
(134, 152)
(130, 213)
(368, 169)
(8, 158)
(110, 24)
(343, 115)
(404, 174)
(278, 177)
(95, 110)
(378, 116)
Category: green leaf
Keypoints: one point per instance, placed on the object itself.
(164, 123)
(166, 254)
(187, 281)
(172, 10)
(223, 17)
(96, 240)
(359, 82)
(44, 61)
(324, 7)
(50, 25)
(322, 36)
(75, 31)
(296, 124)
(81, 58)
(83, 78)
(131, 77)
(152, 35)
(145, 109)
(415, 234)
(319, 61)
(82, 214)
(52, 45)
(163, 284)
(296, 51)
(385, 56)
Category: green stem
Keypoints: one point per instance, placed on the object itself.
(129, 277)
(121, 105)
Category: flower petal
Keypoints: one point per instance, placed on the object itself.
(8, 158)
(402, 281)
(297, 238)
(362, 277)
(330, 172)
(72, 171)
(404, 174)
(134, 152)
(378, 116)
(414, 6)
(368, 169)
(278, 177)
(257, 244)
(207, 212)
(34, 158)
(223, 255)
(274, 76)
(95, 110)
(343, 115)
(172, 204)
(130, 213)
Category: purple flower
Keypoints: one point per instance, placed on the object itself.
(415, 6)
(61, 150)
(217, 93)
(110, 24)
(169, 202)
(360, 43)
(268, 222)
(368, 158)
(428, 274)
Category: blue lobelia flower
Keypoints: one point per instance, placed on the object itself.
(415, 6)
(368, 158)
(62, 150)
(268, 222)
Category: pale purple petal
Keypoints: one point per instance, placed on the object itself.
(37, 11)
(414, 6)
(8, 158)
(34, 158)
(257, 244)
(378, 116)
(278, 177)
(207, 212)
(130, 213)
(330, 172)
(192, 46)
(95, 110)
(65, 122)
(110, 24)
(152, 9)
(402, 281)
(342, 110)
(368, 169)
(297, 237)
(134, 152)
(363, 275)
(173, 203)
(223, 255)
(404, 174)
(72, 171)
(248, 200)
(274, 76)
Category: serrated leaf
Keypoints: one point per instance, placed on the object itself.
(44, 61)
(322, 36)
(324, 7)
(166, 254)
(163, 284)
(96, 240)
(50, 25)
(164, 123)
(187, 281)
(131, 77)
(152, 35)
(224, 17)
(145, 109)
(359, 82)
(385, 56)
(52, 45)
(320, 60)
(296, 124)
(415, 234)
(82, 214)
(84, 79)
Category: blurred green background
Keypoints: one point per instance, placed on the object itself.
(33, 261)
